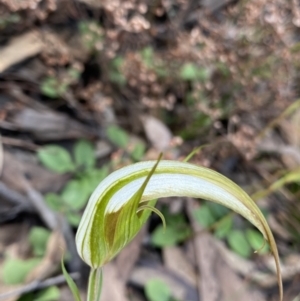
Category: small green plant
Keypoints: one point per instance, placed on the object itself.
(74, 195)
(191, 72)
(115, 73)
(51, 293)
(177, 231)
(55, 86)
(52, 87)
(157, 290)
(91, 34)
(11, 265)
(37, 238)
(121, 139)
(152, 62)
(243, 242)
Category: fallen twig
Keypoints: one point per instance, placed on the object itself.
(54, 222)
(19, 49)
(14, 197)
(37, 285)
(47, 215)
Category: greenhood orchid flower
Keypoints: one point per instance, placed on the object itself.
(123, 201)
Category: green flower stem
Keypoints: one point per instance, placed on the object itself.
(95, 285)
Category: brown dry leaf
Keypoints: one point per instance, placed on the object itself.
(176, 261)
(291, 132)
(55, 51)
(41, 179)
(13, 173)
(46, 124)
(13, 241)
(289, 269)
(290, 154)
(13, 244)
(180, 289)
(6, 237)
(18, 166)
(102, 149)
(19, 49)
(51, 261)
(291, 129)
(129, 255)
(245, 267)
(10, 288)
(157, 132)
(278, 228)
(15, 177)
(113, 285)
(218, 280)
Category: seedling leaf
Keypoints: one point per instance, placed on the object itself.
(56, 158)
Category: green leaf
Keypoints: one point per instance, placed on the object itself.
(72, 285)
(94, 176)
(188, 72)
(75, 194)
(117, 136)
(157, 290)
(49, 87)
(192, 72)
(202, 74)
(138, 151)
(174, 220)
(170, 236)
(117, 62)
(115, 74)
(56, 158)
(74, 73)
(148, 56)
(14, 271)
(161, 71)
(51, 293)
(38, 238)
(224, 227)
(117, 77)
(54, 201)
(204, 216)
(238, 243)
(84, 154)
(83, 27)
(257, 241)
(217, 210)
(73, 218)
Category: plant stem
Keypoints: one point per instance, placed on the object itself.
(95, 285)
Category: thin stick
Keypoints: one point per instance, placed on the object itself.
(37, 285)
